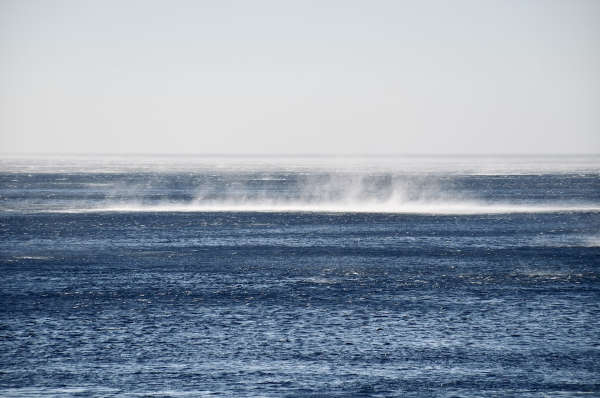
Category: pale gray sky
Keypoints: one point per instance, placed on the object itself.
(423, 76)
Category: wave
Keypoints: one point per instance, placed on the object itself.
(439, 208)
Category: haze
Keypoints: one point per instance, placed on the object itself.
(300, 77)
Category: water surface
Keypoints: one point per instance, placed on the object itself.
(300, 278)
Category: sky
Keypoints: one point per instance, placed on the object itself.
(300, 77)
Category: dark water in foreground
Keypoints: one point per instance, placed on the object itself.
(153, 302)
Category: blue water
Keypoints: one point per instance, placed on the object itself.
(154, 279)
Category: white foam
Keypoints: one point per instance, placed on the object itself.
(450, 208)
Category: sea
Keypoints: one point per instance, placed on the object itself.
(302, 276)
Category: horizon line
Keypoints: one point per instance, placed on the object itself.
(297, 155)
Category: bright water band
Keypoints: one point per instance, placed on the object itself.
(300, 277)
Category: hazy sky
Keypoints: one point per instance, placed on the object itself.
(300, 76)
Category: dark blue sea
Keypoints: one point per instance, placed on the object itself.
(299, 277)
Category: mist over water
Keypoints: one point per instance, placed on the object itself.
(334, 192)
(419, 185)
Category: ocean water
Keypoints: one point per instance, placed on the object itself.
(300, 277)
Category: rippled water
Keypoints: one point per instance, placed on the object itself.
(124, 281)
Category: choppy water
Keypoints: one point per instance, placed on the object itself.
(300, 278)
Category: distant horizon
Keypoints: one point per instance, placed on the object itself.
(298, 155)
